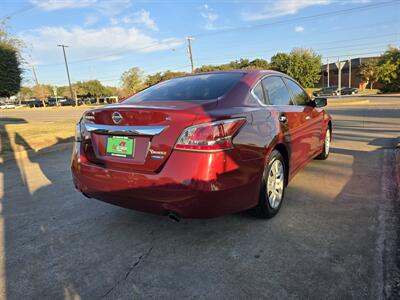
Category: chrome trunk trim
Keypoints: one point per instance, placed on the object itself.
(124, 130)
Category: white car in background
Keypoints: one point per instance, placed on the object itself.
(7, 106)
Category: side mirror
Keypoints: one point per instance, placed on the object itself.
(320, 102)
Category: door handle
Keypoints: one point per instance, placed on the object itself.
(283, 119)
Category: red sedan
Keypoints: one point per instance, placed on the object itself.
(202, 145)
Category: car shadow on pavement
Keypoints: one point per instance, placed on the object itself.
(58, 244)
(30, 189)
(52, 251)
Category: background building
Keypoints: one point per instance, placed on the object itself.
(356, 81)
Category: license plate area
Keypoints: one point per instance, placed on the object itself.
(120, 146)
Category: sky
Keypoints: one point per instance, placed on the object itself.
(107, 37)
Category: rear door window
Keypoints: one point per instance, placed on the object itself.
(190, 88)
(277, 91)
(299, 95)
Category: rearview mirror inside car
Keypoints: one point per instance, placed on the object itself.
(320, 102)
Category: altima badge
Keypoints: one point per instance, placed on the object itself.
(117, 117)
(157, 152)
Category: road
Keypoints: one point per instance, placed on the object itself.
(330, 239)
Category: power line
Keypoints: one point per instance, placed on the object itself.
(19, 11)
(337, 12)
(305, 18)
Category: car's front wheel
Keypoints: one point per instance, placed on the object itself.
(272, 187)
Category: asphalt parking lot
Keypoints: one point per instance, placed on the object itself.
(333, 238)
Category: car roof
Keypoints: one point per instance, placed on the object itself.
(245, 71)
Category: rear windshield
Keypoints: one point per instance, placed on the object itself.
(190, 88)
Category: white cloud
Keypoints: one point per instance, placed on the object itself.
(107, 43)
(299, 29)
(140, 17)
(209, 16)
(277, 8)
(90, 20)
(143, 17)
(62, 4)
(112, 8)
(108, 8)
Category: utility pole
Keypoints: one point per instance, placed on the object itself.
(189, 39)
(327, 68)
(69, 80)
(37, 82)
(34, 75)
(349, 72)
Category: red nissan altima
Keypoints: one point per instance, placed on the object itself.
(202, 145)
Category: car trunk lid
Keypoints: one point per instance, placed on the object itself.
(149, 129)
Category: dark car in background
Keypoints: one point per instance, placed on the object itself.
(349, 91)
(70, 102)
(327, 91)
(34, 103)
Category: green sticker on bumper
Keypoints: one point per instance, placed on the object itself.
(120, 146)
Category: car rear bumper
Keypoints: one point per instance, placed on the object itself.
(190, 184)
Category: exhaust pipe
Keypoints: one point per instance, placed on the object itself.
(86, 195)
(173, 216)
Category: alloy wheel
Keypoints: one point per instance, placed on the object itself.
(275, 184)
(327, 141)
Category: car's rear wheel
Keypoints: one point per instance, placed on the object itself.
(327, 145)
(272, 187)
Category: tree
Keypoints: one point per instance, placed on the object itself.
(259, 64)
(25, 92)
(280, 62)
(207, 68)
(10, 69)
(158, 77)
(90, 88)
(110, 91)
(153, 79)
(389, 70)
(42, 92)
(132, 80)
(304, 65)
(369, 71)
(242, 63)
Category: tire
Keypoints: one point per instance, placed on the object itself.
(327, 145)
(269, 201)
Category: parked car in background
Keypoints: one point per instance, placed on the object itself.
(68, 102)
(7, 106)
(327, 91)
(108, 100)
(55, 101)
(202, 145)
(349, 91)
(89, 100)
(34, 103)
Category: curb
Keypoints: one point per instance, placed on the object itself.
(33, 153)
(344, 102)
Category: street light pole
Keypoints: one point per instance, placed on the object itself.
(66, 66)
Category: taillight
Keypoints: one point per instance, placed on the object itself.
(81, 133)
(215, 136)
